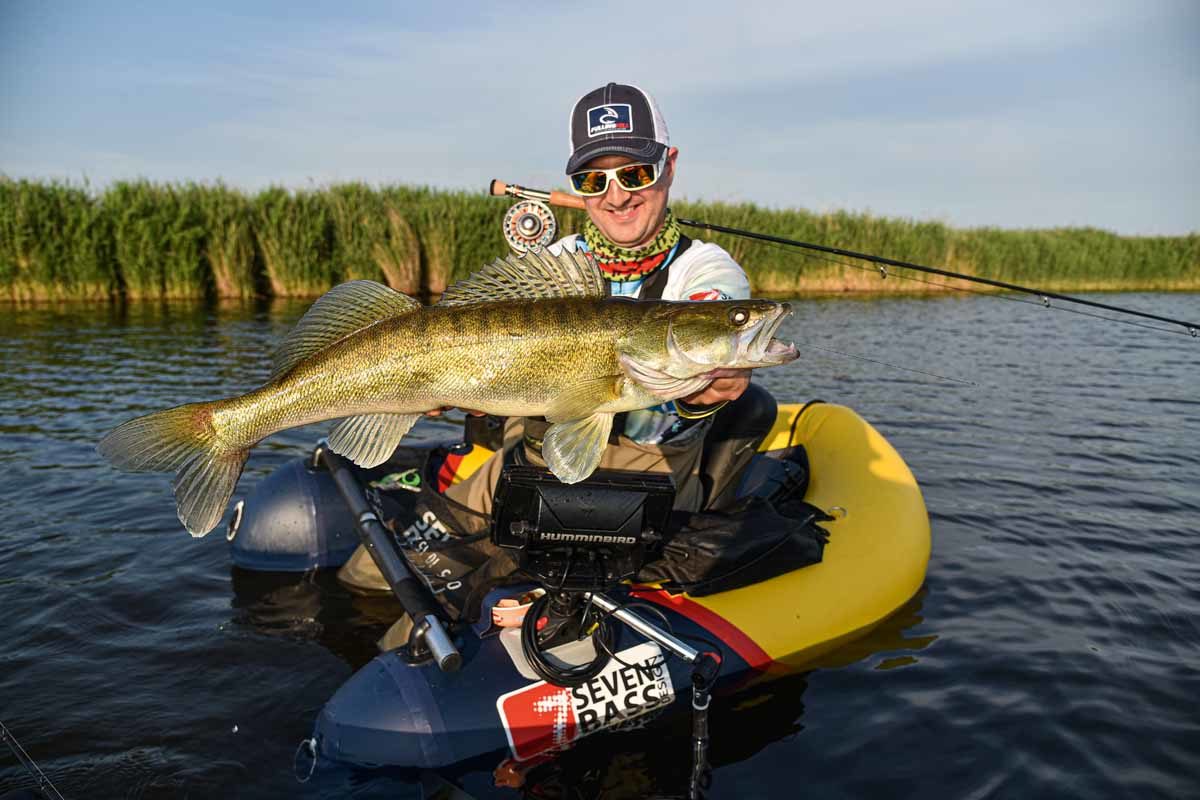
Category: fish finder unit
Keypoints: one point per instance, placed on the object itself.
(577, 539)
(584, 536)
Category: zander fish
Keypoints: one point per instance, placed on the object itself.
(531, 335)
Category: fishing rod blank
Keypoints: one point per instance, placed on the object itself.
(883, 273)
(499, 189)
(1192, 327)
(43, 783)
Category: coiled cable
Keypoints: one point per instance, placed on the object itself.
(577, 675)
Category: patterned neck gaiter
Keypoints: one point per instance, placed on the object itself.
(622, 264)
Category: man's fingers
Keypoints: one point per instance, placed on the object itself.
(729, 388)
(437, 412)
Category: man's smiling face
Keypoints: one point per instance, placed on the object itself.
(630, 219)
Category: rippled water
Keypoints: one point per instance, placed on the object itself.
(1053, 651)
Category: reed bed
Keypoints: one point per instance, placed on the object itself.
(56, 242)
(141, 240)
(230, 245)
(295, 236)
(157, 239)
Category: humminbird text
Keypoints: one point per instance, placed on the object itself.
(587, 537)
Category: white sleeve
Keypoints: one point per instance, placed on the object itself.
(569, 242)
(706, 272)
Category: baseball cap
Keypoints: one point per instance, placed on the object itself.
(616, 119)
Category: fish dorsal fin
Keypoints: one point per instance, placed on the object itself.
(534, 274)
(338, 313)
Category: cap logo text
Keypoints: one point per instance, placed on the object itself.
(611, 118)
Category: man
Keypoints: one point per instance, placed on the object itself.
(623, 166)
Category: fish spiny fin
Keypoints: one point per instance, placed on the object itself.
(535, 274)
(581, 399)
(659, 383)
(338, 313)
(181, 439)
(370, 439)
(572, 449)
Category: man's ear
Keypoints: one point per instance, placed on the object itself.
(672, 155)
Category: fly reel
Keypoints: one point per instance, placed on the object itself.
(528, 224)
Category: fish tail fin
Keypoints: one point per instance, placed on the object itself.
(181, 440)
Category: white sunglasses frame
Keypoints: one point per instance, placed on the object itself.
(610, 175)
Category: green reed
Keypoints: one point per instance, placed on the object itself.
(151, 240)
(294, 234)
(358, 223)
(397, 250)
(229, 242)
(158, 240)
(55, 243)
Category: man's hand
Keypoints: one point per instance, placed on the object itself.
(728, 384)
(437, 412)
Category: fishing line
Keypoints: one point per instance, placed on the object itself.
(887, 364)
(875, 360)
(1043, 303)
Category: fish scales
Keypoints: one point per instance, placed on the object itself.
(508, 358)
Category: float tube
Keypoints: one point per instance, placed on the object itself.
(396, 713)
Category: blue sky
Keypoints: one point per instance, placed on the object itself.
(1013, 114)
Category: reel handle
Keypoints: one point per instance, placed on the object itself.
(554, 197)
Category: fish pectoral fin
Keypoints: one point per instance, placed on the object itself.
(659, 383)
(370, 439)
(338, 313)
(536, 273)
(581, 399)
(572, 449)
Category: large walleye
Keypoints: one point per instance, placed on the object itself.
(525, 336)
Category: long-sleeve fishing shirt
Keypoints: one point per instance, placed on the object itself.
(704, 271)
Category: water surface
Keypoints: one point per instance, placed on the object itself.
(1052, 651)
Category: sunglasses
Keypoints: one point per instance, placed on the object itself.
(631, 178)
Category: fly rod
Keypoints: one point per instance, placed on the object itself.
(565, 200)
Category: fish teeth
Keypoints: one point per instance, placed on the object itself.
(760, 343)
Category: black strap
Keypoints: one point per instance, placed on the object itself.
(654, 284)
(652, 289)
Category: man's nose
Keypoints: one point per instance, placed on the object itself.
(616, 194)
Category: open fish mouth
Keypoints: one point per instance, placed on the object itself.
(753, 346)
(761, 345)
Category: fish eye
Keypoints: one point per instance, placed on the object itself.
(739, 316)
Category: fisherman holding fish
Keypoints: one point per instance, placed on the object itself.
(623, 165)
(587, 380)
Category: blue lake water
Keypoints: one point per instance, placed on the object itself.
(1053, 651)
